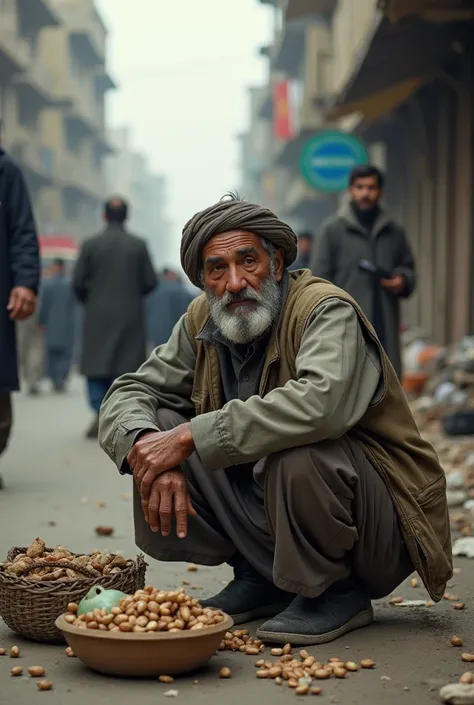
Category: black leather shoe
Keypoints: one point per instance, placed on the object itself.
(344, 606)
(248, 596)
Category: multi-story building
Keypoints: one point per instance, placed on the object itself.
(407, 70)
(52, 87)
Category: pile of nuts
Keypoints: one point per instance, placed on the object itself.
(149, 610)
(239, 640)
(97, 564)
(300, 673)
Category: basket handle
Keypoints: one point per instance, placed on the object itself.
(59, 564)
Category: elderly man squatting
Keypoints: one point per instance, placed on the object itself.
(271, 433)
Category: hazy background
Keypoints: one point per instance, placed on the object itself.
(182, 68)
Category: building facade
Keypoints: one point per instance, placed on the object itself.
(398, 74)
(53, 85)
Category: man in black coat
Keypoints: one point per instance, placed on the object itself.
(19, 279)
(113, 275)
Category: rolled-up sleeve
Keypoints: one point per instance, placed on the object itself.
(165, 380)
(337, 375)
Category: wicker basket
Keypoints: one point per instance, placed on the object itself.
(30, 608)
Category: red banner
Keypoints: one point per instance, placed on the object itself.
(282, 122)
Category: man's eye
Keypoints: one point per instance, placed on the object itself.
(249, 260)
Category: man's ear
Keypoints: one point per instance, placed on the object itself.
(279, 265)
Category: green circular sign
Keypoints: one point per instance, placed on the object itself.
(328, 158)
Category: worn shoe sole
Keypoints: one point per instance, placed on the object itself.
(363, 619)
(257, 613)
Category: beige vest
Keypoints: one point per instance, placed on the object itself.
(387, 432)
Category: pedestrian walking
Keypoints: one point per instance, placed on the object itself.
(112, 276)
(302, 466)
(364, 251)
(19, 279)
(57, 318)
(305, 248)
(165, 306)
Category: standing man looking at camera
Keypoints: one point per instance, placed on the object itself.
(364, 251)
(19, 279)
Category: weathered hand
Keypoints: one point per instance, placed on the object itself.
(169, 495)
(22, 303)
(159, 451)
(396, 284)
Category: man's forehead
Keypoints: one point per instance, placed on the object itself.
(231, 241)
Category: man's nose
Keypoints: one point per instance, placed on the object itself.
(235, 281)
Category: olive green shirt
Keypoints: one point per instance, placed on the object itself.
(338, 376)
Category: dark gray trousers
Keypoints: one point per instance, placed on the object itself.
(6, 420)
(304, 518)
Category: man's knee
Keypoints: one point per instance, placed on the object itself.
(305, 462)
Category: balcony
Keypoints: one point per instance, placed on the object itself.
(104, 80)
(77, 176)
(38, 84)
(86, 31)
(14, 51)
(35, 158)
(36, 14)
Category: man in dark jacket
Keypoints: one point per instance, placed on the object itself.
(165, 306)
(305, 247)
(57, 312)
(366, 252)
(19, 279)
(113, 274)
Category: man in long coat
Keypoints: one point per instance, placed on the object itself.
(271, 432)
(112, 276)
(19, 279)
(363, 232)
(57, 317)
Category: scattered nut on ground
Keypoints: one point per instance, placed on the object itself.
(240, 640)
(45, 685)
(459, 606)
(414, 582)
(456, 641)
(367, 663)
(467, 678)
(14, 652)
(225, 673)
(192, 567)
(166, 679)
(468, 658)
(104, 530)
(69, 652)
(36, 671)
(396, 600)
(3, 652)
(16, 671)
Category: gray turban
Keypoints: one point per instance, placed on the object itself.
(230, 215)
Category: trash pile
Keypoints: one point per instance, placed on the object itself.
(440, 383)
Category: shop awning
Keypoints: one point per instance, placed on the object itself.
(300, 8)
(430, 10)
(58, 247)
(396, 59)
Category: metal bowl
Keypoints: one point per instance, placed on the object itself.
(147, 655)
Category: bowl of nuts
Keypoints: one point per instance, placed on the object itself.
(150, 633)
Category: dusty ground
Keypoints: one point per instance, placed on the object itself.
(53, 475)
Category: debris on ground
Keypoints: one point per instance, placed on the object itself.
(457, 694)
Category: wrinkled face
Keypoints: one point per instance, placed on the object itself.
(366, 192)
(241, 282)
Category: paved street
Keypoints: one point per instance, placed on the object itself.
(53, 475)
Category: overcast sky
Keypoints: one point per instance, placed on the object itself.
(183, 67)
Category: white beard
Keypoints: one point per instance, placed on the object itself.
(247, 323)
